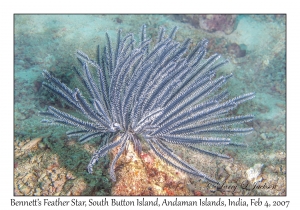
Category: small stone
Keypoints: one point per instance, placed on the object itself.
(222, 174)
(278, 169)
(42, 146)
(37, 192)
(24, 189)
(28, 177)
(263, 136)
(31, 144)
(236, 50)
(23, 142)
(228, 169)
(264, 176)
(18, 153)
(70, 176)
(254, 172)
(53, 177)
(42, 176)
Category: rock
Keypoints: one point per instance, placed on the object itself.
(228, 169)
(42, 176)
(24, 189)
(282, 128)
(29, 177)
(254, 172)
(210, 23)
(213, 23)
(31, 144)
(37, 192)
(145, 174)
(42, 146)
(70, 176)
(222, 172)
(263, 136)
(236, 50)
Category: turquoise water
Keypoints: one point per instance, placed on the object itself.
(50, 42)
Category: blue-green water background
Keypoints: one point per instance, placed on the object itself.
(50, 41)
